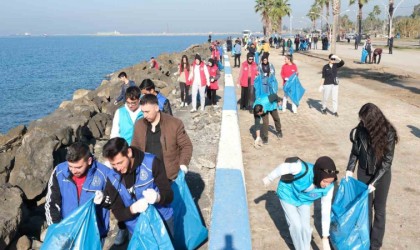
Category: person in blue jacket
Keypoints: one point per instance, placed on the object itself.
(73, 183)
(138, 179)
(263, 106)
(302, 183)
(147, 86)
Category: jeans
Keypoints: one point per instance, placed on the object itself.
(298, 219)
(237, 58)
(377, 202)
(330, 89)
(184, 91)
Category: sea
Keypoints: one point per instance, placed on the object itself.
(38, 73)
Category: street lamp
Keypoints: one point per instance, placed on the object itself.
(329, 26)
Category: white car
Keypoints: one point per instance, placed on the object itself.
(350, 35)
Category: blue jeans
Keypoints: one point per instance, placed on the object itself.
(298, 219)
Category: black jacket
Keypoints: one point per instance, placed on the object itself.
(363, 153)
(330, 73)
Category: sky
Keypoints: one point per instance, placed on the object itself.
(152, 16)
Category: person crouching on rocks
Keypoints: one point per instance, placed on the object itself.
(301, 183)
(199, 76)
(214, 83)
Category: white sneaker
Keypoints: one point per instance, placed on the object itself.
(122, 237)
(202, 109)
(193, 110)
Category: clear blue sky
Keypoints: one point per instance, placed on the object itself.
(140, 16)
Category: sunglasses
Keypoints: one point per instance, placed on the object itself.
(329, 171)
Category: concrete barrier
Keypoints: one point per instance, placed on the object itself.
(229, 227)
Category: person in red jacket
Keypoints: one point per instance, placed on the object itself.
(214, 85)
(247, 74)
(153, 63)
(287, 70)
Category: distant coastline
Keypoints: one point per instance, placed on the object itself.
(114, 33)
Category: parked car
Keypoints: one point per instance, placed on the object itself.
(350, 36)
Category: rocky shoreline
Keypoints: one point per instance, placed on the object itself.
(29, 154)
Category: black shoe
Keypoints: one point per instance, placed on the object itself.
(335, 114)
(265, 142)
(279, 135)
(324, 111)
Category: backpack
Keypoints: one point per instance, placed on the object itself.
(289, 178)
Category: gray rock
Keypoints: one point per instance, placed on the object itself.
(12, 138)
(10, 213)
(24, 243)
(80, 93)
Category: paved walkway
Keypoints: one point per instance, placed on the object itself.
(309, 134)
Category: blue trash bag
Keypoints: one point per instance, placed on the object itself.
(189, 229)
(150, 232)
(293, 89)
(78, 231)
(220, 65)
(364, 56)
(350, 216)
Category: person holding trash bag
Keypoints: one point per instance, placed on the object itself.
(138, 179)
(300, 184)
(374, 141)
(288, 69)
(75, 182)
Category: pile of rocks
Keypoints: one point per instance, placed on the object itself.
(29, 154)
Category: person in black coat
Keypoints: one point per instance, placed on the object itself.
(374, 141)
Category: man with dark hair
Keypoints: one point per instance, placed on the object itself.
(377, 53)
(264, 105)
(126, 84)
(164, 136)
(75, 182)
(147, 86)
(127, 115)
(138, 179)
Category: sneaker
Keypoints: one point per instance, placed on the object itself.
(335, 114)
(122, 237)
(265, 142)
(193, 110)
(324, 111)
(279, 135)
(202, 109)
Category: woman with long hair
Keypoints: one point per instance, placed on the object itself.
(184, 82)
(374, 141)
(288, 69)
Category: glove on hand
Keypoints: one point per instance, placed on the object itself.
(184, 169)
(258, 142)
(139, 206)
(151, 195)
(348, 174)
(99, 197)
(371, 188)
(266, 181)
(325, 244)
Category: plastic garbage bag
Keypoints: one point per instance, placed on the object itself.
(350, 216)
(364, 56)
(293, 88)
(189, 229)
(78, 231)
(220, 65)
(150, 232)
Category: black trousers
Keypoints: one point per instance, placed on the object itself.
(390, 49)
(277, 124)
(237, 59)
(356, 45)
(376, 56)
(184, 91)
(377, 202)
(244, 97)
(211, 95)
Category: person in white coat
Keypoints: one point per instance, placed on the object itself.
(200, 78)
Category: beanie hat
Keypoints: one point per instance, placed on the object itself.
(324, 168)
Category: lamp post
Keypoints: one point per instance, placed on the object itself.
(290, 24)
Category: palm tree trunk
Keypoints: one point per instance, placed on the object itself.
(360, 18)
(390, 15)
(280, 24)
(336, 12)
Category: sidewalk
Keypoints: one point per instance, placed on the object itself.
(309, 135)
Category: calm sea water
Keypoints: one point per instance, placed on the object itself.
(38, 73)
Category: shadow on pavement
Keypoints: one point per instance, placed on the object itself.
(414, 130)
(196, 185)
(316, 104)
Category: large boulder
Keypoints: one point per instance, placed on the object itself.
(12, 139)
(80, 93)
(10, 214)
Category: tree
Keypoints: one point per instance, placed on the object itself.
(313, 14)
(325, 3)
(336, 13)
(359, 17)
(279, 9)
(263, 7)
(345, 23)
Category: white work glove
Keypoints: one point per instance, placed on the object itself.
(115, 102)
(99, 196)
(325, 244)
(258, 142)
(139, 206)
(371, 188)
(151, 196)
(266, 181)
(184, 169)
(348, 174)
(265, 74)
(321, 88)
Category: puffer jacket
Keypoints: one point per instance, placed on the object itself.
(363, 154)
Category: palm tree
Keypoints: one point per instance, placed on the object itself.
(279, 9)
(390, 15)
(263, 7)
(325, 3)
(314, 13)
(360, 3)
